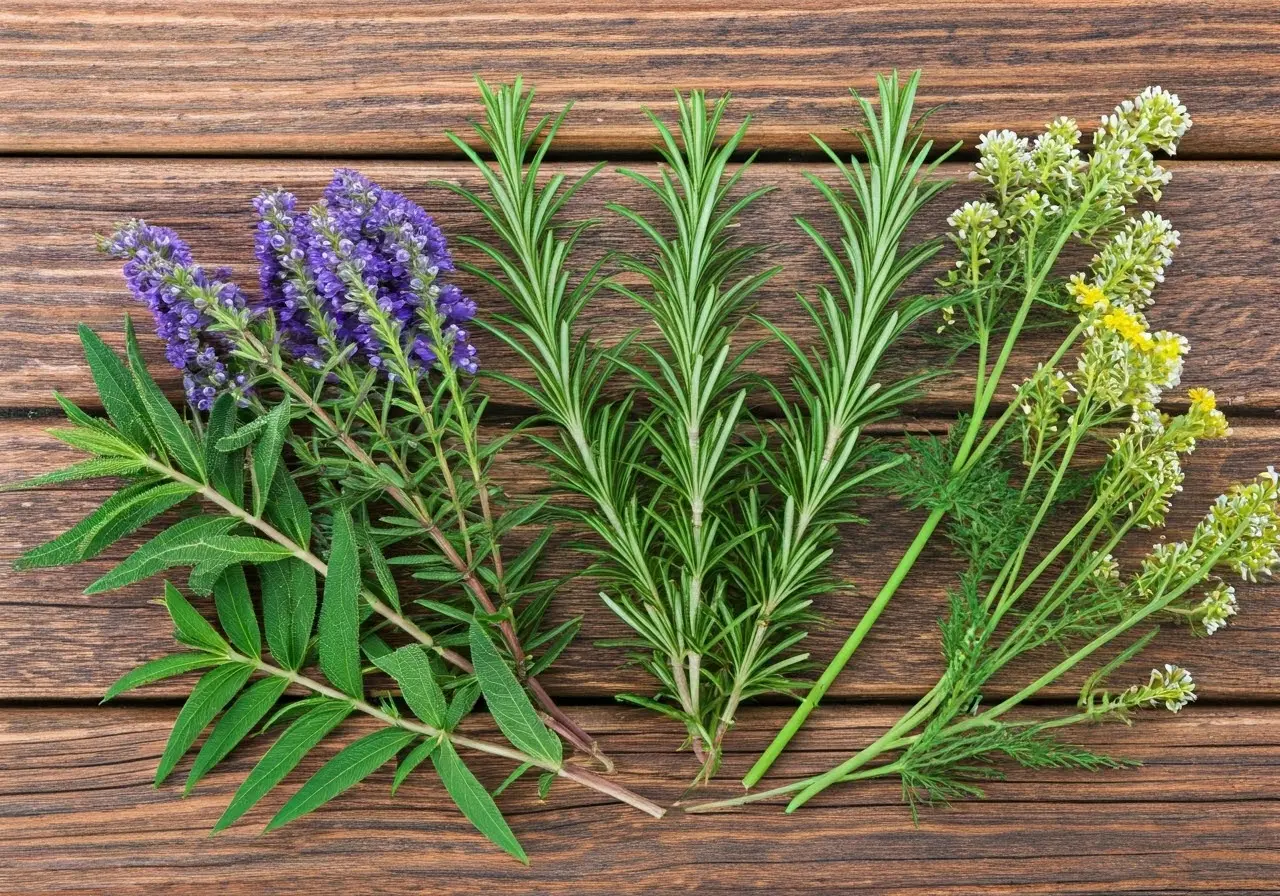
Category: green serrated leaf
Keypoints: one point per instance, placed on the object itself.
(415, 758)
(374, 647)
(94, 468)
(411, 668)
(508, 702)
(212, 692)
(235, 611)
(351, 766)
(116, 389)
(378, 563)
(544, 785)
(512, 778)
(283, 756)
(266, 452)
(474, 801)
(76, 543)
(201, 540)
(464, 700)
(340, 611)
(175, 434)
(159, 669)
(291, 709)
(287, 508)
(189, 626)
(226, 468)
(77, 415)
(93, 440)
(288, 609)
(236, 723)
(244, 436)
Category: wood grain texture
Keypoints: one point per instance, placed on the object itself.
(365, 77)
(1222, 291)
(78, 814)
(62, 644)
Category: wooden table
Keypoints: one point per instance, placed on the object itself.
(179, 111)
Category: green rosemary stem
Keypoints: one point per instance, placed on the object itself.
(436, 439)
(578, 775)
(470, 447)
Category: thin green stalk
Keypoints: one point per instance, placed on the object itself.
(842, 657)
(578, 775)
(891, 768)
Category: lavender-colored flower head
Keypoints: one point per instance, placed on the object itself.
(362, 253)
(288, 289)
(162, 274)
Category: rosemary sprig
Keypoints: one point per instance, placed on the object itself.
(822, 461)
(712, 548)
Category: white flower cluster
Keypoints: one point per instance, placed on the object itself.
(1218, 606)
(1004, 161)
(1154, 117)
(1123, 364)
(974, 226)
(1242, 528)
(1124, 140)
(1055, 158)
(1145, 473)
(1042, 400)
(1128, 268)
(1171, 686)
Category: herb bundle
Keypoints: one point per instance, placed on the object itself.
(1030, 588)
(336, 442)
(712, 543)
(335, 456)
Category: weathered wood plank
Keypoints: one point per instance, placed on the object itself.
(389, 78)
(1221, 292)
(56, 643)
(78, 814)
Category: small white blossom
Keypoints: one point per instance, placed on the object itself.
(1171, 686)
(1218, 606)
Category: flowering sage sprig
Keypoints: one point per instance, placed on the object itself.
(341, 442)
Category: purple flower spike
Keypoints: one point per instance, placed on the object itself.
(288, 287)
(363, 234)
(161, 273)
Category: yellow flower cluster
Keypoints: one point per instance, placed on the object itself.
(1088, 295)
(1122, 360)
(1204, 414)
(1130, 327)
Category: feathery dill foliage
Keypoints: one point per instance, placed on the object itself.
(712, 545)
(1028, 588)
(341, 446)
